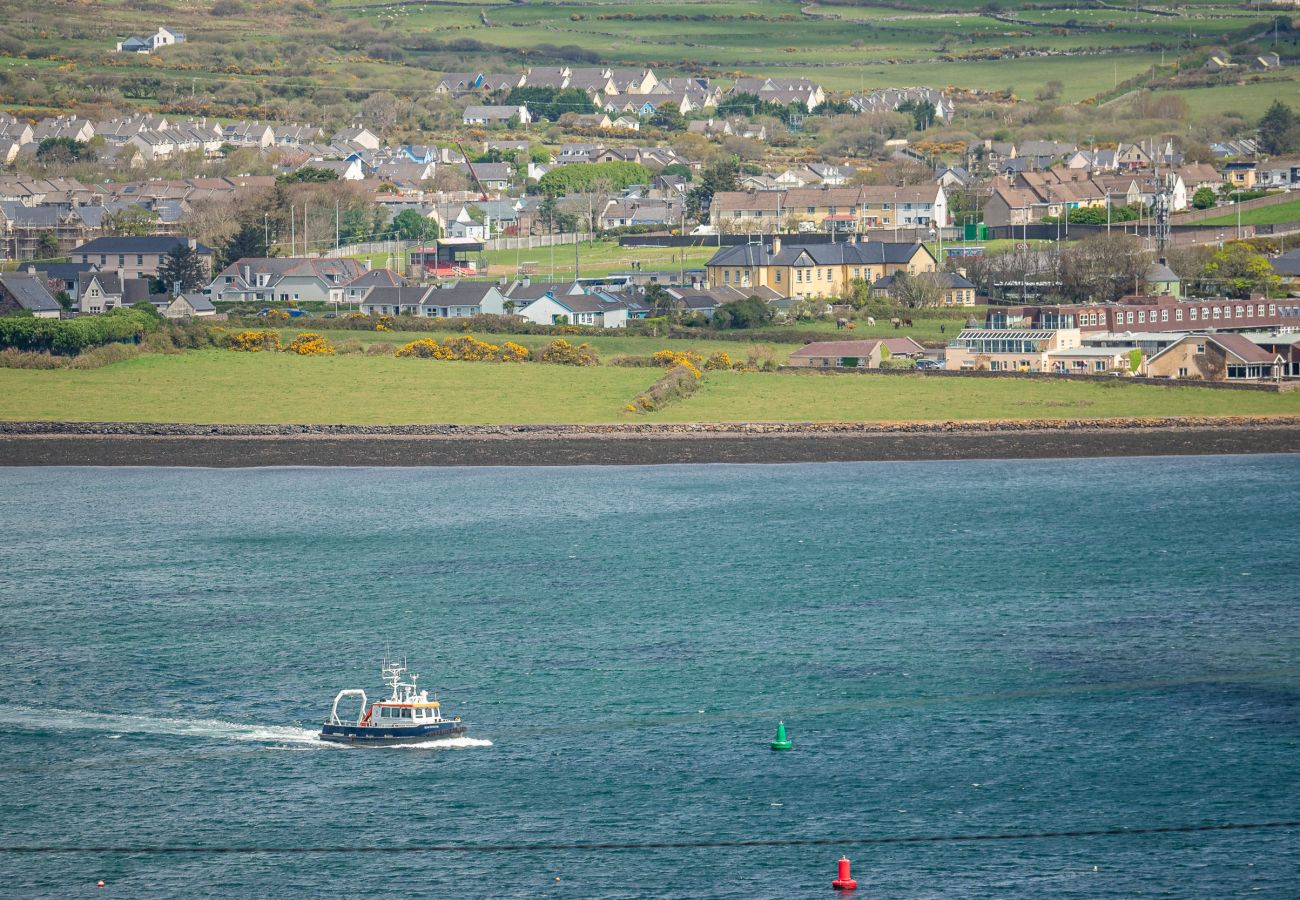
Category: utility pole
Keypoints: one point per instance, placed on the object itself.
(293, 231)
(266, 232)
(336, 226)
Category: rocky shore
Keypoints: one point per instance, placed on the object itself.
(150, 444)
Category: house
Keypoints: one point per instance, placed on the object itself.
(955, 288)
(98, 292)
(58, 276)
(136, 257)
(25, 293)
(890, 99)
(456, 83)
(453, 301)
(1216, 357)
(550, 303)
(1281, 173)
(1161, 279)
(1240, 174)
(358, 136)
(191, 305)
(163, 37)
(831, 209)
(864, 354)
(585, 120)
(1008, 350)
(1265, 62)
(248, 134)
(814, 270)
(495, 115)
(284, 280)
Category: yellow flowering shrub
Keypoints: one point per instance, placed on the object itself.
(253, 341)
(310, 343)
(512, 352)
(384, 323)
(277, 315)
(424, 348)
(719, 360)
(561, 352)
(356, 315)
(670, 358)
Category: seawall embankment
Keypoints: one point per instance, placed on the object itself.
(223, 446)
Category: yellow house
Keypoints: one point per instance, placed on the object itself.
(814, 270)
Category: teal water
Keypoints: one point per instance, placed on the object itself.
(956, 648)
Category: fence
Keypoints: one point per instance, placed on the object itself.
(919, 235)
(1270, 387)
(528, 242)
(392, 248)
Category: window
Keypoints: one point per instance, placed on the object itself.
(726, 276)
(777, 276)
(1142, 316)
(1272, 309)
(1164, 315)
(121, 260)
(1200, 348)
(798, 276)
(1178, 315)
(1238, 312)
(1216, 312)
(828, 274)
(1192, 314)
(139, 259)
(1182, 371)
(1099, 365)
(1130, 318)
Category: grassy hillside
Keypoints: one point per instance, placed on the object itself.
(294, 58)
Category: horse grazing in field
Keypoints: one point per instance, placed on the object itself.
(871, 320)
(907, 323)
(841, 323)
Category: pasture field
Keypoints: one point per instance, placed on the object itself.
(260, 49)
(1268, 215)
(812, 397)
(607, 347)
(217, 386)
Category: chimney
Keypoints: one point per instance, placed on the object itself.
(191, 243)
(367, 263)
(776, 244)
(527, 281)
(961, 270)
(248, 274)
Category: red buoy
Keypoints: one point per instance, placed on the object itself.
(845, 882)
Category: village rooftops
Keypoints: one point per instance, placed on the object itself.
(161, 244)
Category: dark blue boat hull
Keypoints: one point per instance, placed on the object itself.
(381, 735)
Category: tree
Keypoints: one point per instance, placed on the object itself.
(1278, 131)
(1241, 271)
(63, 150)
(553, 219)
(249, 242)
(307, 175)
(182, 266)
(720, 176)
(409, 225)
(586, 177)
(751, 312)
(1102, 267)
(678, 169)
(47, 245)
(1204, 198)
(131, 221)
(917, 291)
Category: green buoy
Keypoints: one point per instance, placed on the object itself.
(782, 742)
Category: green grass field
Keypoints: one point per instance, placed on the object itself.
(606, 346)
(216, 386)
(1267, 215)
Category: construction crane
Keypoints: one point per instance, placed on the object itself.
(482, 192)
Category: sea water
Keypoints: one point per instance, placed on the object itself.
(956, 648)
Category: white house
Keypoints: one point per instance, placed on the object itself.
(496, 115)
(454, 301)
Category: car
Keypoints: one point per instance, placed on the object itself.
(926, 365)
(331, 315)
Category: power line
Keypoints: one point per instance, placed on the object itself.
(674, 845)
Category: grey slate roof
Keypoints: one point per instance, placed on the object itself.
(861, 253)
(30, 292)
(151, 244)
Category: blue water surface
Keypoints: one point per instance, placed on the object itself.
(956, 648)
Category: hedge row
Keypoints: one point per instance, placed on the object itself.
(70, 336)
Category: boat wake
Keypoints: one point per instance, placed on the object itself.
(22, 718)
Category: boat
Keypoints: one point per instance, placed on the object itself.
(406, 717)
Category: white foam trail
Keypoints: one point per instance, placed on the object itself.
(453, 743)
(26, 718)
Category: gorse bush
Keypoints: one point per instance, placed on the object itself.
(254, 341)
(561, 352)
(678, 382)
(309, 343)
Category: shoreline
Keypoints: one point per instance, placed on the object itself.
(239, 446)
